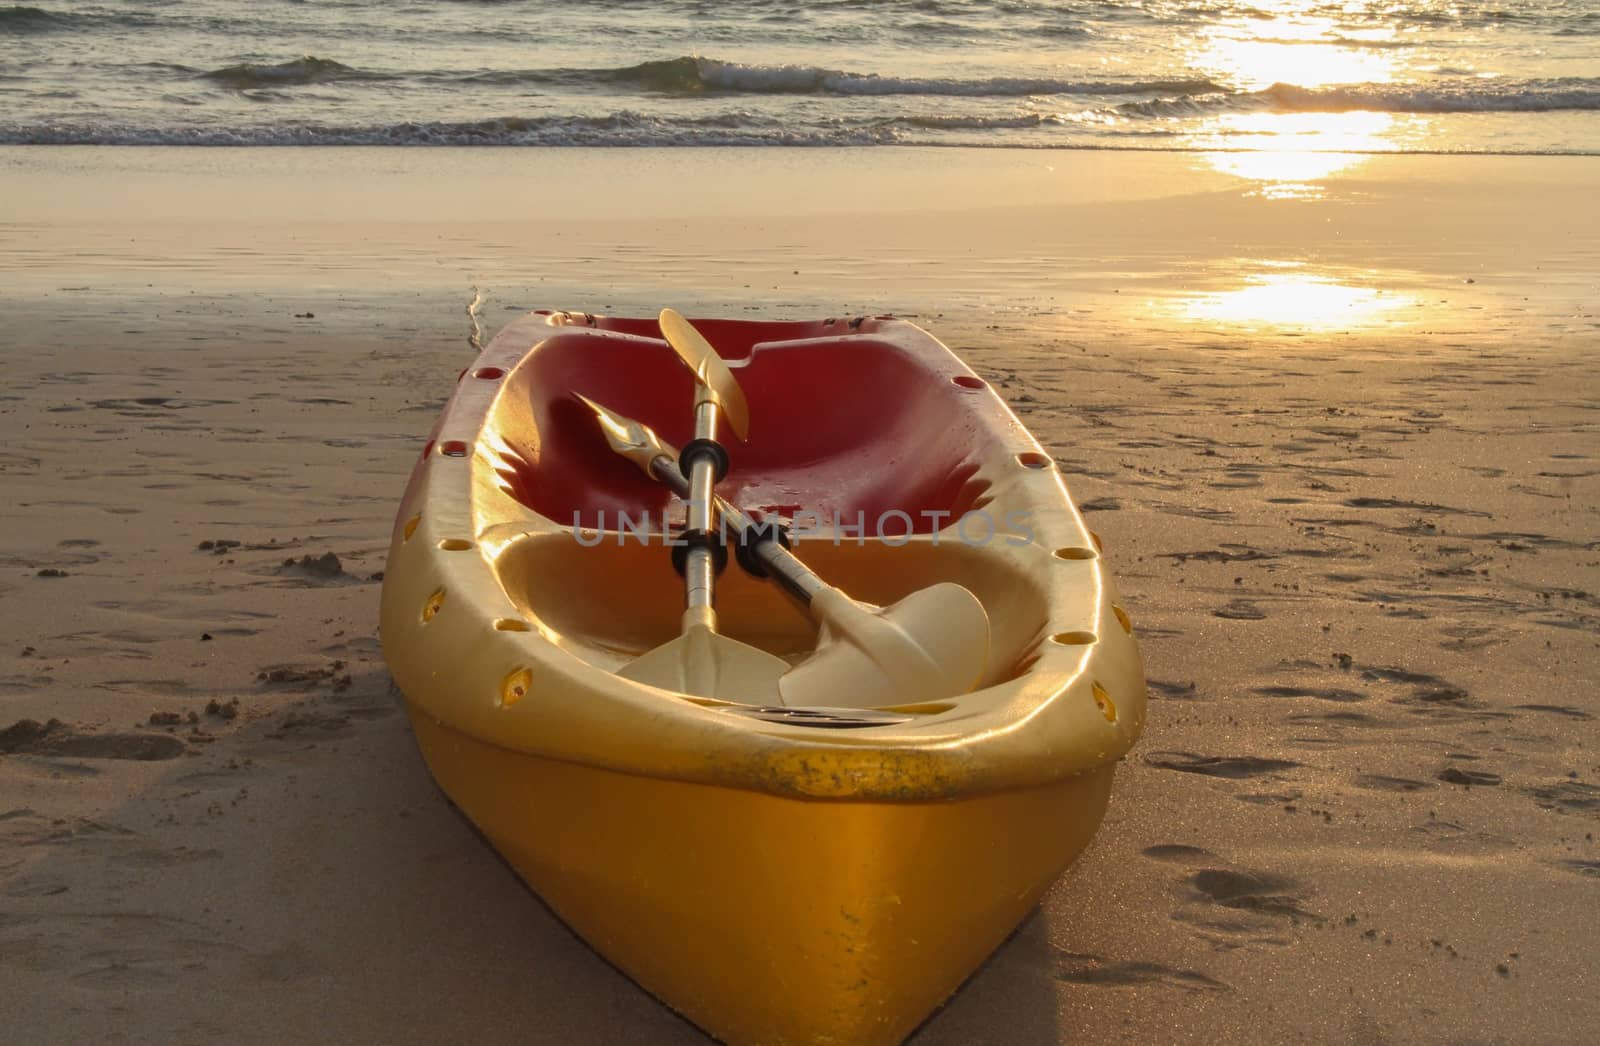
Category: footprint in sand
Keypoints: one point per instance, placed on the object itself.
(1177, 691)
(1381, 783)
(1415, 506)
(1179, 853)
(30, 737)
(1233, 909)
(1225, 554)
(1235, 767)
(356, 645)
(1560, 710)
(149, 406)
(21, 684)
(24, 827)
(1456, 775)
(1320, 693)
(1339, 718)
(1285, 799)
(309, 571)
(131, 950)
(1567, 796)
(295, 726)
(306, 677)
(1466, 639)
(1239, 890)
(1232, 905)
(1430, 696)
(1096, 971)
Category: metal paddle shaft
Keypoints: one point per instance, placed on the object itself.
(700, 565)
(717, 396)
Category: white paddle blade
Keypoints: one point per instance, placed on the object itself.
(705, 664)
(709, 369)
(932, 644)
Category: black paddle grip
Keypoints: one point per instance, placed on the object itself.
(697, 448)
(693, 539)
(756, 534)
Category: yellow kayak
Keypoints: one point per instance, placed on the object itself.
(792, 854)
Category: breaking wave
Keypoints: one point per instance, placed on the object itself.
(1463, 96)
(692, 74)
(307, 70)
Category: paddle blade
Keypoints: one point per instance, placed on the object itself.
(705, 664)
(709, 369)
(631, 439)
(932, 644)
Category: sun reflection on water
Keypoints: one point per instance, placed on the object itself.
(1300, 300)
(1256, 53)
(1289, 152)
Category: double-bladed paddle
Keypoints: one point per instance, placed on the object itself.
(932, 644)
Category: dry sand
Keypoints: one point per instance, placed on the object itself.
(1357, 536)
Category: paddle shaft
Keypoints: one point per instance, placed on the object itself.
(699, 568)
(793, 576)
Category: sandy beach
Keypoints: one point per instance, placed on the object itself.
(1339, 428)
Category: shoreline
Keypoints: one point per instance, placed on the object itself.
(1166, 247)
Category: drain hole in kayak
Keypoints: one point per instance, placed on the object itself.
(431, 607)
(411, 526)
(1074, 638)
(1103, 699)
(455, 545)
(511, 624)
(1075, 552)
(515, 686)
(1122, 619)
(1033, 461)
(967, 381)
(489, 373)
(825, 718)
(453, 449)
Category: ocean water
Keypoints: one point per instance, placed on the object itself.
(1508, 76)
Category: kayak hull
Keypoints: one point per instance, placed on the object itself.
(769, 919)
(777, 874)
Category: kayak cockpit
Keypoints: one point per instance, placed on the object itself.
(895, 443)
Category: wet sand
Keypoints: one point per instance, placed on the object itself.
(1356, 537)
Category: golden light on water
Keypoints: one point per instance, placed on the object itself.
(1301, 300)
(1297, 61)
(1254, 54)
(1289, 152)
